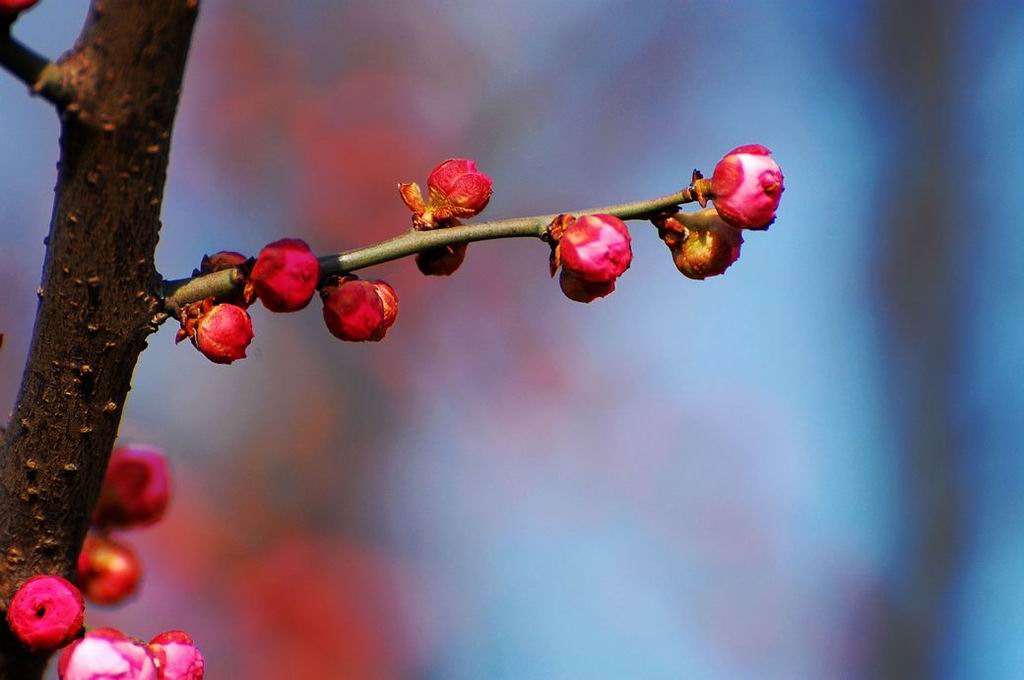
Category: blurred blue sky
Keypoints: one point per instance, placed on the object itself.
(687, 479)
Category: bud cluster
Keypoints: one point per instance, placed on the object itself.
(455, 189)
(135, 493)
(47, 612)
(107, 653)
(591, 251)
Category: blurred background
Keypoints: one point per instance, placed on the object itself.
(808, 468)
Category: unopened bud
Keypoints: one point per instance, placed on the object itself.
(285, 275)
(458, 189)
(136, 488)
(46, 612)
(108, 571)
(178, 656)
(747, 186)
(221, 333)
(359, 311)
(442, 261)
(107, 654)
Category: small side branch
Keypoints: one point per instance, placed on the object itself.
(42, 76)
(222, 283)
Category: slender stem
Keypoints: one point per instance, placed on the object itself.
(41, 75)
(218, 284)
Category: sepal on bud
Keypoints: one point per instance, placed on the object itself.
(359, 311)
(46, 613)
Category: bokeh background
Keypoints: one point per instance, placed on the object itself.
(808, 468)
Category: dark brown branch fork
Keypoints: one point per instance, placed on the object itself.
(116, 92)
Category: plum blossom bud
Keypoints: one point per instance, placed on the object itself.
(46, 613)
(108, 571)
(702, 244)
(10, 8)
(221, 260)
(357, 311)
(285, 275)
(136, 488)
(709, 252)
(595, 248)
(458, 189)
(178, 656)
(107, 654)
(243, 295)
(442, 261)
(747, 186)
(222, 333)
(581, 290)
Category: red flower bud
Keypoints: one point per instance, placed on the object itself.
(747, 186)
(458, 189)
(108, 571)
(221, 332)
(11, 8)
(441, 261)
(46, 613)
(357, 311)
(581, 290)
(285, 275)
(595, 248)
(178, 655)
(107, 654)
(136, 488)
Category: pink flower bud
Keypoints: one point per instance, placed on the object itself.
(12, 7)
(108, 571)
(595, 248)
(46, 613)
(441, 261)
(178, 655)
(285, 275)
(222, 333)
(107, 654)
(747, 186)
(458, 189)
(357, 311)
(581, 290)
(136, 488)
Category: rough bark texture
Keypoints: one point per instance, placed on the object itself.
(99, 289)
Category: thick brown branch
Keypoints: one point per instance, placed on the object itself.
(99, 289)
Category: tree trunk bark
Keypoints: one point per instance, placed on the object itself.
(99, 292)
